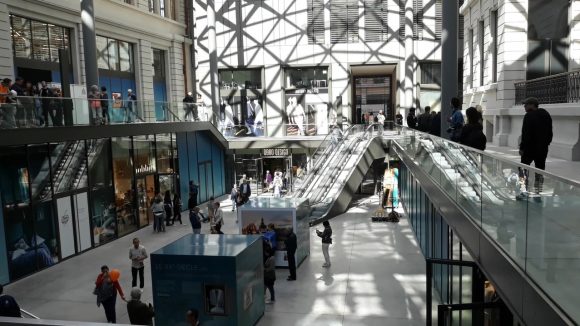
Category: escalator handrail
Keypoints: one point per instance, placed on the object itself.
(317, 163)
(28, 314)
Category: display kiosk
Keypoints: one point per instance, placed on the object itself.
(219, 275)
(273, 218)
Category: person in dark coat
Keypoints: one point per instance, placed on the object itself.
(326, 236)
(472, 132)
(412, 119)
(291, 246)
(536, 138)
(456, 121)
(168, 205)
(193, 192)
(176, 209)
(139, 312)
(246, 191)
(424, 120)
(436, 125)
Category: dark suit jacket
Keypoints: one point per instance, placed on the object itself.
(140, 313)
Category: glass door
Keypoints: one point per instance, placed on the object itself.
(145, 194)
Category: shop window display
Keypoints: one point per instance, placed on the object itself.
(123, 171)
(308, 110)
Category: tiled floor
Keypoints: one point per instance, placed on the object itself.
(377, 277)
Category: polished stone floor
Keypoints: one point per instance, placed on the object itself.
(377, 277)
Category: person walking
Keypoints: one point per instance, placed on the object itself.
(381, 121)
(399, 118)
(535, 140)
(137, 254)
(270, 274)
(291, 244)
(193, 192)
(105, 105)
(268, 179)
(424, 120)
(8, 305)
(277, 183)
(234, 196)
(95, 104)
(245, 190)
(326, 236)
(107, 289)
(46, 102)
(456, 120)
(158, 214)
(436, 124)
(168, 206)
(188, 104)
(177, 206)
(195, 219)
(129, 106)
(472, 133)
(139, 312)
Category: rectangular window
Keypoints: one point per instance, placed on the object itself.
(344, 21)
(494, 45)
(376, 27)
(32, 39)
(402, 18)
(460, 23)
(129, 2)
(471, 40)
(481, 41)
(417, 19)
(315, 21)
(431, 73)
(240, 79)
(158, 63)
(114, 55)
(306, 78)
(438, 18)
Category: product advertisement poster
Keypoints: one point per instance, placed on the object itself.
(274, 224)
(83, 224)
(65, 226)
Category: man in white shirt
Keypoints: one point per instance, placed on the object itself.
(137, 254)
(381, 121)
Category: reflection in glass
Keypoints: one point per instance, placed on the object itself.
(124, 192)
(144, 154)
(104, 216)
(113, 54)
(21, 38)
(164, 159)
(102, 53)
(40, 46)
(69, 166)
(40, 171)
(126, 56)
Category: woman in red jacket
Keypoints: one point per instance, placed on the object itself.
(106, 290)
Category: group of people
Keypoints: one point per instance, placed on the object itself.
(240, 193)
(24, 104)
(166, 210)
(99, 105)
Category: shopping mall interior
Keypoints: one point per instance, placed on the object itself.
(338, 162)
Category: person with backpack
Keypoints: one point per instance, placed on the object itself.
(106, 289)
(195, 218)
(8, 305)
(472, 133)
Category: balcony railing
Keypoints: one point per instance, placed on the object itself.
(560, 88)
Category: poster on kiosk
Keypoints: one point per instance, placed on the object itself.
(273, 218)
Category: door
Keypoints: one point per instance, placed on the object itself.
(145, 194)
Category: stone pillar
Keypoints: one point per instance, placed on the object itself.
(176, 75)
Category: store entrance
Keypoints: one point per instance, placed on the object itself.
(145, 194)
(372, 95)
(282, 165)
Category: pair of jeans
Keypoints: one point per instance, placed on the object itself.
(141, 272)
(325, 253)
(270, 287)
(109, 306)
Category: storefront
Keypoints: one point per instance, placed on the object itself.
(242, 111)
(61, 199)
(308, 108)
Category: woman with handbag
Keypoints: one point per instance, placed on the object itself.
(106, 288)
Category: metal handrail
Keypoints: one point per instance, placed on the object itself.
(28, 314)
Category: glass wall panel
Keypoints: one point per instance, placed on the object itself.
(40, 46)
(123, 170)
(144, 150)
(102, 196)
(40, 171)
(44, 239)
(164, 149)
(56, 40)
(126, 56)
(102, 53)
(69, 166)
(113, 54)
(21, 38)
